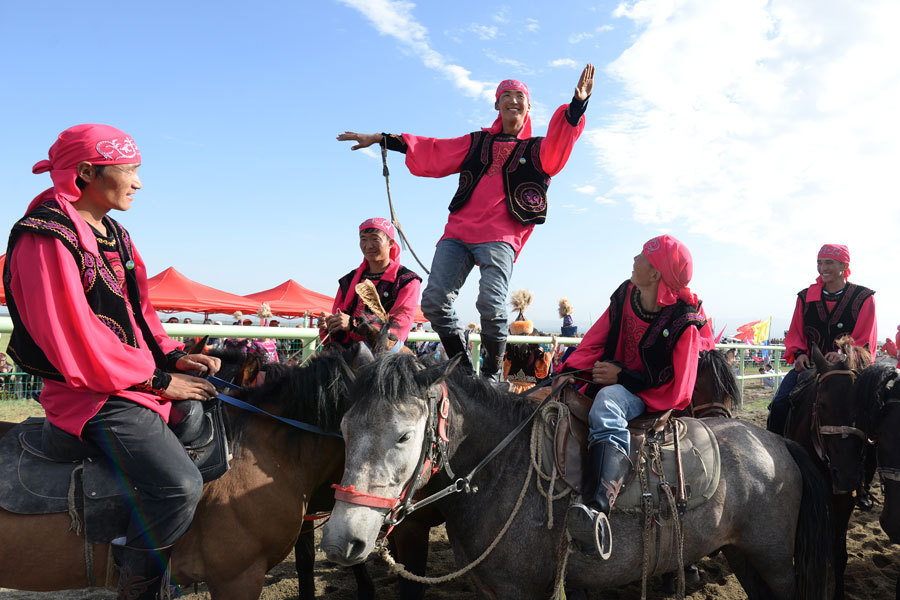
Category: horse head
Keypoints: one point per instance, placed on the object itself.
(837, 439)
(388, 441)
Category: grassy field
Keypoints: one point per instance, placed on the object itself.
(19, 410)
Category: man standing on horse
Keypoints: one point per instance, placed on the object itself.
(828, 309)
(77, 294)
(503, 177)
(641, 354)
(396, 286)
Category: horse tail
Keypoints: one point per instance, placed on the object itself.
(724, 382)
(813, 539)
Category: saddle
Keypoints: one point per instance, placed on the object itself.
(45, 470)
(698, 448)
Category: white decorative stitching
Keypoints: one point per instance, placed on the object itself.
(125, 149)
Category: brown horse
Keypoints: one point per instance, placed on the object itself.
(247, 520)
(822, 421)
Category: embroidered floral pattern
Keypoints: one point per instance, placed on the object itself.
(114, 327)
(116, 149)
(502, 150)
(88, 271)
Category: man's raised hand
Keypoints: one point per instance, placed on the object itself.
(364, 139)
(585, 84)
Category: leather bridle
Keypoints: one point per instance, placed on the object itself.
(819, 431)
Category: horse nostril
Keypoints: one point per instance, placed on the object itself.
(357, 548)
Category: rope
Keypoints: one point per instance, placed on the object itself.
(387, 184)
(562, 562)
(400, 570)
(646, 508)
(656, 465)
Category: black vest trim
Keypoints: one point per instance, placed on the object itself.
(656, 345)
(107, 301)
(821, 327)
(524, 181)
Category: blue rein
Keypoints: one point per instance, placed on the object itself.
(249, 407)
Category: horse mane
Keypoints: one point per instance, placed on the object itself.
(315, 393)
(724, 381)
(393, 376)
(869, 394)
(857, 357)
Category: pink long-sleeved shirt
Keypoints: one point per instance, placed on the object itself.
(485, 217)
(46, 284)
(865, 331)
(675, 393)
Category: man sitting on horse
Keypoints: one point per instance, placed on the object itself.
(504, 173)
(397, 290)
(77, 294)
(828, 309)
(641, 354)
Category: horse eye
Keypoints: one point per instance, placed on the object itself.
(404, 438)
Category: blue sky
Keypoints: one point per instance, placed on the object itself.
(752, 131)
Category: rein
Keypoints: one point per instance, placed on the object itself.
(387, 184)
(249, 407)
(436, 443)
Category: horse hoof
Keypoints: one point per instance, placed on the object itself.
(691, 574)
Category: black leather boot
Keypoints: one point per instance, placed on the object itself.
(493, 352)
(588, 522)
(141, 572)
(456, 344)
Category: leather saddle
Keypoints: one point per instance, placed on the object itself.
(699, 450)
(44, 470)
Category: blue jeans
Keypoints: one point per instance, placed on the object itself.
(453, 261)
(613, 407)
(780, 405)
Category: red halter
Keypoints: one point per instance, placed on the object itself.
(432, 459)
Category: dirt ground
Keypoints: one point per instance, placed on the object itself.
(872, 571)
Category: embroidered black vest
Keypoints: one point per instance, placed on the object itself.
(101, 289)
(821, 327)
(656, 345)
(524, 181)
(387, 293)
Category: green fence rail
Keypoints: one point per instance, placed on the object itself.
(300, 342)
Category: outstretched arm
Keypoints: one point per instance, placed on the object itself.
(585, 83)
(364, 140)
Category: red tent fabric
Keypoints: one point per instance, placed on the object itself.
(418, 316)
(290, 299)
(170, 290)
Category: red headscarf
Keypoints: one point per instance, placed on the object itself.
(673, 261)
(497, 127)
(388, 228)
(838, 252)
(97, 144)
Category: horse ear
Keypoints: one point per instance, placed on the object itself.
(437, 373)
(249, 370)
(360, 356)
(819, 359)
(198, 347)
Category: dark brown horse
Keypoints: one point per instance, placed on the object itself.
(716, 391)
(247, 521)
(876, 401)
(822, 420)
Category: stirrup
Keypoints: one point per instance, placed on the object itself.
(590, 530)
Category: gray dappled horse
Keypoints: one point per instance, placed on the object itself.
(768, 514)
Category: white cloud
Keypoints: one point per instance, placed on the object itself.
(502, 15)
(394, 18)
(485, 32)
(603, 28)
(579, 37)
(586, 189)
(370, 153)
(508, 61)
(603, 200)
(575, 208)
(769, 123)
(532, 24)
(564, 62)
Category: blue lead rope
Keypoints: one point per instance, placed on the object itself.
(247, 406)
